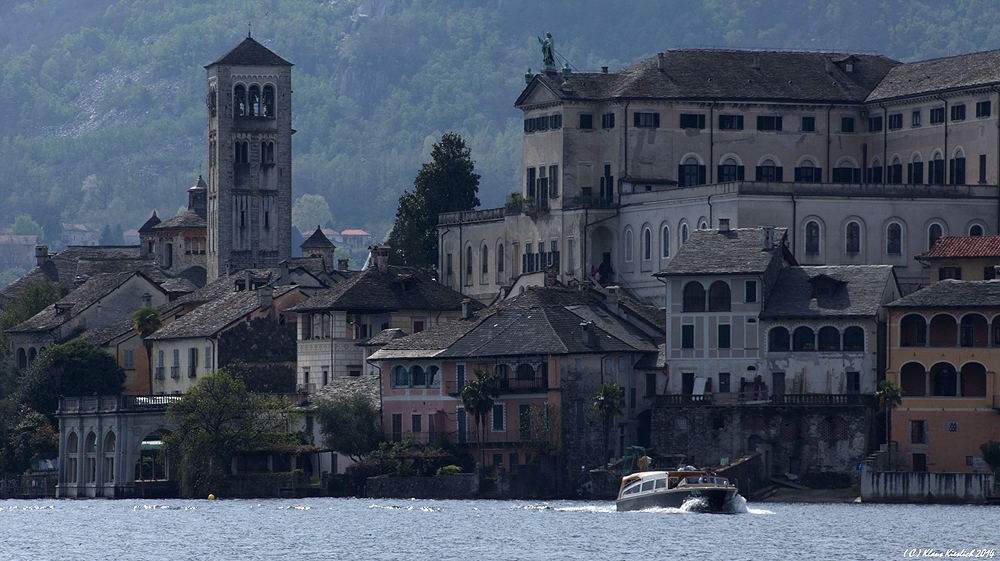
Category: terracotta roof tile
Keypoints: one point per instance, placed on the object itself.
(948, 247)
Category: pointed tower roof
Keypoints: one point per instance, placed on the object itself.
(250, 53)
(317, 239)
(150, 224)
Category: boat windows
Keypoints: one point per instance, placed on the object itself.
(661, 483)
(673, 482)
(648, 486)
(633, 488)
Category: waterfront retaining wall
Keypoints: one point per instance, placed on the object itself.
(925, 487)
(458, 486)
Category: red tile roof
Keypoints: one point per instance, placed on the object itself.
(955, 246)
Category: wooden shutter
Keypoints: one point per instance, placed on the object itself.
(702, 170)
(739, 171)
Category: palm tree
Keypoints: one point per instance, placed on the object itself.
(477, 397)
(608, 404)
(147, 321)
(889, 397)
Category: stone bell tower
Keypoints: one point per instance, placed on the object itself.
(249, 160)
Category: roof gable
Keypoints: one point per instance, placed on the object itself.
(860, 291)
(250, 53)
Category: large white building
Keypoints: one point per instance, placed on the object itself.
(863, 159)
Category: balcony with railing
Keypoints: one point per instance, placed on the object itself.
(780, 400)
(175, 372)
(159, 373)
(506, 385)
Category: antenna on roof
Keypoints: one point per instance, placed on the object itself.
(249, 25)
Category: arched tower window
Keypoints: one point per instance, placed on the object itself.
(268, 101)
(719, 297)
(665, 242)
(254, 100)
(647, 244)
(894, 239)
(239, 101)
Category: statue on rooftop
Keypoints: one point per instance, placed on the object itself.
(548, 52)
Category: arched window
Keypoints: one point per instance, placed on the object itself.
(417, 377)
(730, 170)
(665, 241)
(854, 339)
(502, 371)
(944, 380)
(812, 237)
(90, 459)
(894, 239)
(943, 331)
(499, 261)
(525, 372)
(804, 339)
(239, 101)
(829, 339)
(22, 359)
(694, 297)
(777, 340)
(109, 458)
(647, 244)
(468, 265)
(691, 172)
(956, 168)
(703, 225)
(72, 449)
(719, 297)
(485, 262)
(933, 233)
(975, 231)
(268, 101)
(912, 331)
(433, 377)
(32, 354)
(973, 380)
(852, 239)
(400, 377)
(912, 379)
(768, 171)
(935, 175)
(915, 171)
(974, 331)
(254, 100)
(628, 245)
(684, 233)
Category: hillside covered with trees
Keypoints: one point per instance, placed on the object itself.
(104, 115)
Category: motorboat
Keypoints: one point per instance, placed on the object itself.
(671, 489)
(643, 488)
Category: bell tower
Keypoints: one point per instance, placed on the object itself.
(249, 197)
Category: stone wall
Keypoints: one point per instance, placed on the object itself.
(458, 486)
(925, 487)
(807, 441)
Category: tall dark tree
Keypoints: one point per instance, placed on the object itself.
(478, 397)
(448, 184)
(350, 424)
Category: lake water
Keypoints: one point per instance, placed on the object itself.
(325, 528)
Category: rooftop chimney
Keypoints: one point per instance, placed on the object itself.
(41, 254)
(265, 296)
(768, 238)
(342, 264)
(756, 61)
(382, 258)
(659, 61)
(467, 308)
(723, 224)
(588, 333)
(612, 299)
(604, 70)
(247, 280)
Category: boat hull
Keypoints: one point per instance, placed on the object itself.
(711, 500)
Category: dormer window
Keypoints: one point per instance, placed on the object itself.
(824, 286)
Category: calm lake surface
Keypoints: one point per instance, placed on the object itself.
(307, 529)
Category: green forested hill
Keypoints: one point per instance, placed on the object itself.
(103, 100)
